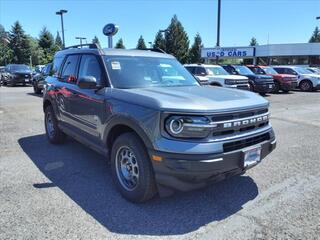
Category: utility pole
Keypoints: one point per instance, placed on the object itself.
(218, 28)
(81, 38)
(61, 12)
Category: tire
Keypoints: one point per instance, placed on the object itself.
(251, 87)
(53, 132)
(131, 167)
(306, 86)
(276, 88)
(36, 89)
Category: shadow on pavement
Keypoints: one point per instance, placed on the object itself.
(86, 178)
(35, 95)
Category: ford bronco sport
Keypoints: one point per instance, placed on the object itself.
(145, 112)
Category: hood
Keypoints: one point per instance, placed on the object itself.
(193, 99)
(233, 77)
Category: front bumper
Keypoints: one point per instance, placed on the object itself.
(288, 86)
(185, 172)
(19, 79)
(239, 86)
(264, 87)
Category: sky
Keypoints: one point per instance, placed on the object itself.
(269, 21)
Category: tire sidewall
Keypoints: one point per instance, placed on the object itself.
(309, 84)
(146, 175)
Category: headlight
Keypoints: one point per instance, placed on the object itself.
(188, 126)
(229, 81)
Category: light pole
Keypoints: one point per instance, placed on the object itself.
(81, 38)
(218, 28)
(61, 12)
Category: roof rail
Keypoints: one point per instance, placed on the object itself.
(88, 45)
(159, 50)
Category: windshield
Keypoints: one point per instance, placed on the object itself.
(19, 68)
(216, 71)
(270, 70)
(243, 70)
(301, 70)
(141, 72)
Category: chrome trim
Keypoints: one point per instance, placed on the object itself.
(274, 142)
(212, 160)
(242, 119)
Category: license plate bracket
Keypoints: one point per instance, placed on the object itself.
(251, 156)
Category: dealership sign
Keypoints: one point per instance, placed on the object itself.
(237, 52)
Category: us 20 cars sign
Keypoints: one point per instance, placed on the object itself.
(238, 52)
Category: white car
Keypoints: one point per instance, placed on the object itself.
(315, 70)
(217, 76)
(307, 80)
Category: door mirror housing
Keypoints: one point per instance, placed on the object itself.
(87, 82)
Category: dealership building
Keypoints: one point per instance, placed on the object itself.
(271, 54)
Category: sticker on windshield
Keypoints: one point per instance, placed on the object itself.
(115, 66)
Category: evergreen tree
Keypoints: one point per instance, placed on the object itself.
(159, 41)
(58, 41)
(5, 52)
(253, 42)
(19, 44)
(141, 44)
(37, 53)
(120, 44)
(195, 51)
(315, 36)
(177, 41)
(96, 40)
(46, 42)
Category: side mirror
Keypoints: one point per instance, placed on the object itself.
(87, 82)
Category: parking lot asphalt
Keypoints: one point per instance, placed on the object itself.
(66, 192)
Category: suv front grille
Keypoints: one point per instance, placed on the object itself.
(227, 124)
(232, 146)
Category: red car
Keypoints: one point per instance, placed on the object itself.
(284, 82)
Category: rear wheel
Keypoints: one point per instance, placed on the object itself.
(53, 132)
(306, 86)
(132, 171)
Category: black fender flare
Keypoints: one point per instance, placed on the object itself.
(129, 122)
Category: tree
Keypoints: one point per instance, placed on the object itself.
(6, 53)
(120, 44)
(46, 42)
(159, 41)
(19, 44)
(96, 40)
(315, 36)
(37, 53)
(141, 44)
(195, 51)
(177, 41)
(58, 41)
(253, 42)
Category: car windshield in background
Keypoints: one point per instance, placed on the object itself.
(270, 70)
(243, 70)
(19, 68)
(258, 71)
(216, 71)
(142, 72)
(301, 70)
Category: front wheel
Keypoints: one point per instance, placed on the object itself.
(132, 171)
(306, 86)
(276, 88)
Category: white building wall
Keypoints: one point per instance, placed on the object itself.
(296, 49)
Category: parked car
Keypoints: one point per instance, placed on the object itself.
(38, 69)
(161, 130)
(38, 79)
(258, 82)
(17, 74)
(283, 82)
(307, 81)
(3, 74)
(314, 70)
(217, 76)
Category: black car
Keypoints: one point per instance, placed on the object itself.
(258, 83)
(39, 78)
(17, 74)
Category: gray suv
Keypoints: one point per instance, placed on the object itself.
(145, 112)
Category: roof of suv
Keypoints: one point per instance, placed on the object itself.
(114, 52)
(200, 65)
